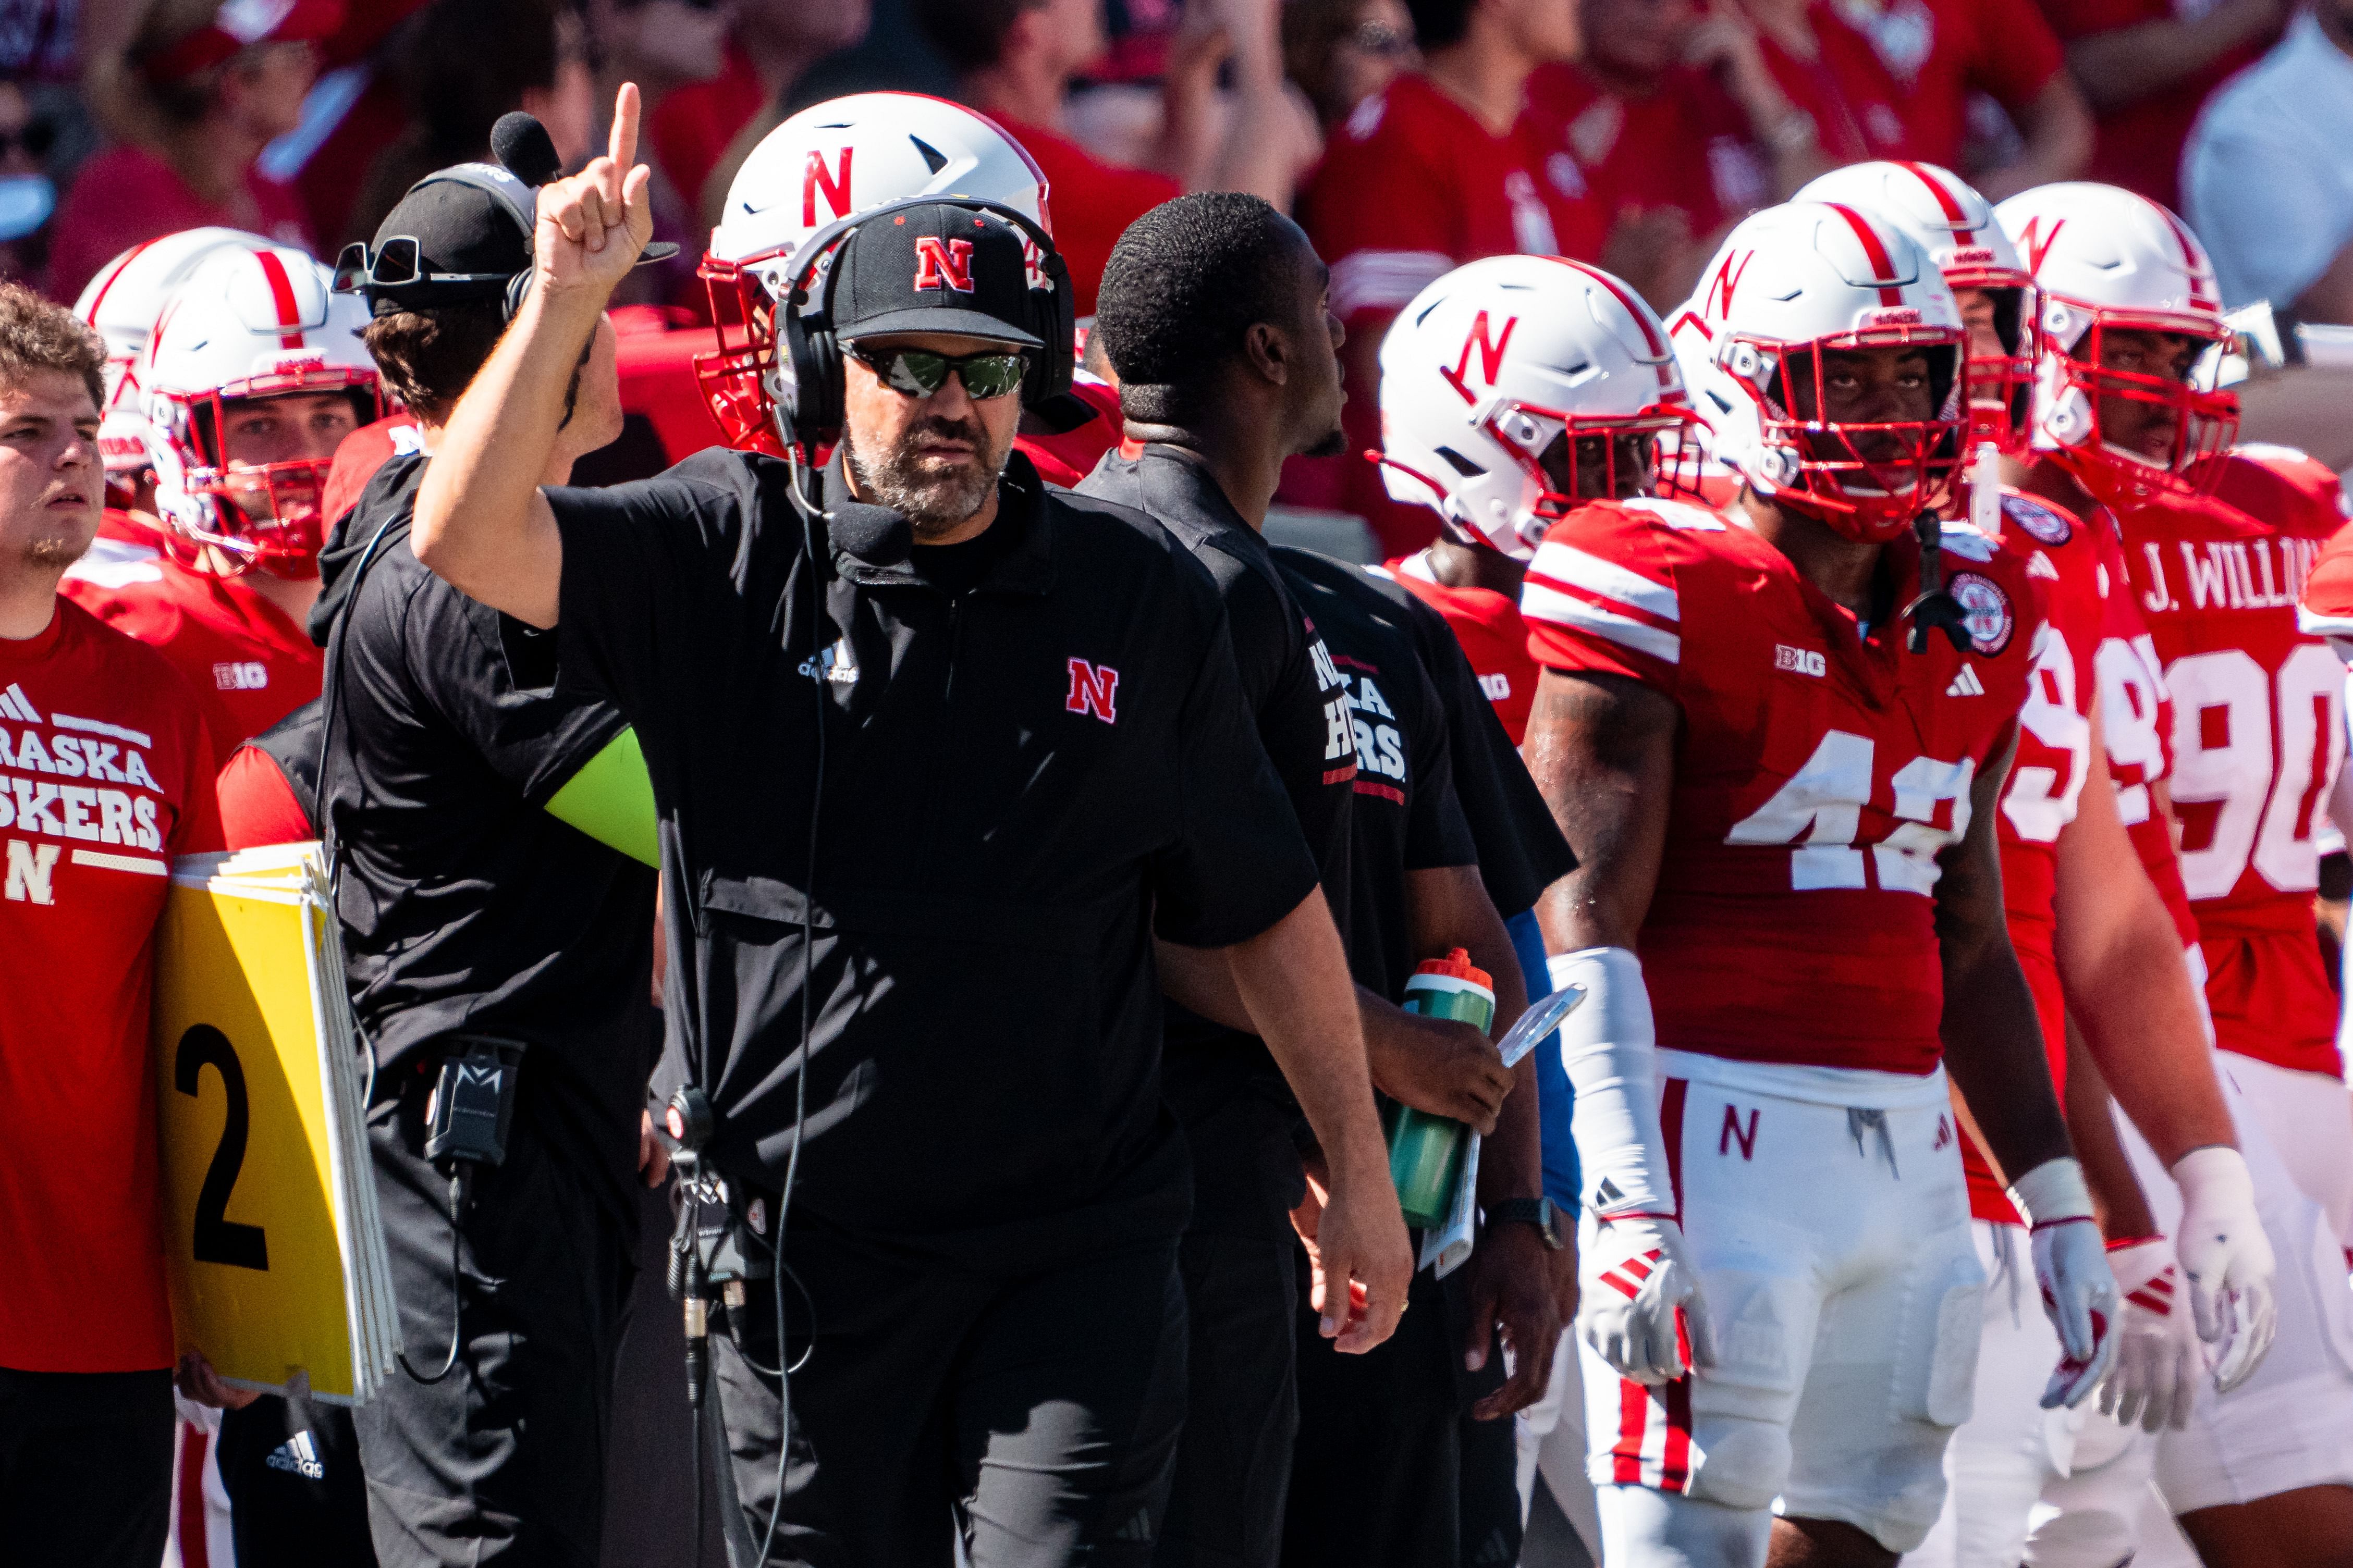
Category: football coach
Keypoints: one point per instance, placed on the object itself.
(936, 752)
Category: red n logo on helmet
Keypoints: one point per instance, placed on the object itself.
(943, 264)
(1720, 288)
(2037, 243)
(834, 183)
(1490, 355)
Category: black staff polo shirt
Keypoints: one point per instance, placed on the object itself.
(1021, 782)
(1236, 1108)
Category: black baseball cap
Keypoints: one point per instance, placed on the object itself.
(938, 268)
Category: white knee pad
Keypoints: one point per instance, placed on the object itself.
(1745, 1467)
(1646, 1529)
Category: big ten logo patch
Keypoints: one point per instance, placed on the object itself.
(240, 674)
(1798, 660)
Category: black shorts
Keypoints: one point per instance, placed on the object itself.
(1036, 1413)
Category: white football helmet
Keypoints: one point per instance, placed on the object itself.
(245, 324)
(2106, 260)
(1517, 388)
(824, 164)
(1943, 215)
(1791, 284)
(122, 302)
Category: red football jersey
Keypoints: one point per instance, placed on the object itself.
(249, 663)
(105, 774)
(258, 806)
(2046, 780)
(1493, 637)
(357, 458)
(2137, 726)
(1940, 52)
(1847, 89)
(1684, 143)
(1822, 769)
(1070, 457)
(2258, 738)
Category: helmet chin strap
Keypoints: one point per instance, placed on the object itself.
(1932, 606)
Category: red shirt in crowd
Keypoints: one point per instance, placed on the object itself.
(1412, 186)
(1854, 98)
(249, 661)
(126, 195)
(2138, 146)
(1092, 202)
(1684, 143)
(1940, 51)
(107, 775)
(692, 127)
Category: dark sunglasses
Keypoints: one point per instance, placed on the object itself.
(37, 137)
(396, 263)
(919, 374)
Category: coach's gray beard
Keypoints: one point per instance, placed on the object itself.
(932, 503)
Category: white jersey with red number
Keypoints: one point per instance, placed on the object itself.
(1493, 637)
(1821, 768)
(2046, 780)
(2258, 737)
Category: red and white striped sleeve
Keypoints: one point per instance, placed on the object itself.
(1600, 596)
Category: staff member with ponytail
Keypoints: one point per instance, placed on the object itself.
(936, 752)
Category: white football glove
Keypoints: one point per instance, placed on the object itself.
(1633, 1276)
(2071, 1268)
(1633, 1272)
(2227, 1260)
(2155, 1380)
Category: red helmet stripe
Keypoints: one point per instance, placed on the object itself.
(1873, 252)
(1945, 202)
(2197, 294)
(282, 292)
(99, 300)
(1618, 291)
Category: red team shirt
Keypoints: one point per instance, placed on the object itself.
(251, 664)
(107, 774)
(2258, 737)
(1848, 89)
(1493, 637)
(1941, 51)
(2138, 146)
(2046, 780)
(1684, 144)
(1412, 186)
(1819, 772)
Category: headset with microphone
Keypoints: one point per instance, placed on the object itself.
(812, 415)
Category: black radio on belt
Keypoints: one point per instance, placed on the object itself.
(472, 1106)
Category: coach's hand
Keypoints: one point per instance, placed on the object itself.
(1511, 1290)
(2227, 1261)
(1640, 1307)
(593, 225)
(1360, 1260)
(1443, 1066)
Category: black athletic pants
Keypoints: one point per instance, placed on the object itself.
(1233, 1463)
(1038, 1413)
(85, 1469)
(1382, 1473)
(502, 1461)
(296, 1497)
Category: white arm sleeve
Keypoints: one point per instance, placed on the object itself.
(1608, 1047)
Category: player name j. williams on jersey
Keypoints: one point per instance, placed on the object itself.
(2259, 574)
(80, 781)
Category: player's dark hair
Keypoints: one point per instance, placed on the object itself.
(1184, 283)
(428, 358)
(970, 32)
(1438, 23)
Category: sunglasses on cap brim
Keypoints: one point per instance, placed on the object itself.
(399, 263)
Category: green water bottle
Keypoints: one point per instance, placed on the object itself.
(1426, 1150)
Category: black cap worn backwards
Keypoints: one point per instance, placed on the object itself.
(936, 269)
(473, 220)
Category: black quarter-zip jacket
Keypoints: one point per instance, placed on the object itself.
(1020, 784)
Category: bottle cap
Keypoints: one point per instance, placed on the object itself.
(1456, 965)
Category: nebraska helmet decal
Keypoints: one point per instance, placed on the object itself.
(1944, 215)
(2107, 262)
(827, 162)
(245, 324)
(1792, 287)
(1516, 388)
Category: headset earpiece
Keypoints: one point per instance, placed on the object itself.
(816, 358)
(518, 290)
(1058, 327)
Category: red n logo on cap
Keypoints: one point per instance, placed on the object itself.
(943, 264)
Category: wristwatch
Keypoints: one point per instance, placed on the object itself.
(1541, 1213)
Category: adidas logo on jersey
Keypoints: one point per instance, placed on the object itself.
(1966, 684)
(298, 1455)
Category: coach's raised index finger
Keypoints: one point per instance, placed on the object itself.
(623, 145)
